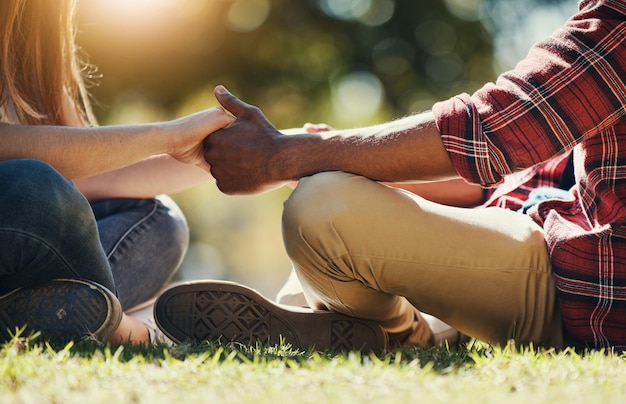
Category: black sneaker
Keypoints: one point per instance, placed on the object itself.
(228, 312)
(62, 310)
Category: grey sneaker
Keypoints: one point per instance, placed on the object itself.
(62, 310)
(225, 311)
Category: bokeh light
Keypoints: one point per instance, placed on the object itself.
(380, 12)
(346, 9)
(357, 97)
(368, 12)
(247, 15)
(514, 36)
(465, 9)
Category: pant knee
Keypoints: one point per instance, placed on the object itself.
(35, 193)
(48, 227)
(145, 241)
(318, 222)
(173, 223)
(309, 207)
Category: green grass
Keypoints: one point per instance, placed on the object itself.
(213, 373)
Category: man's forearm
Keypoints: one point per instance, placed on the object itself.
(402, 150)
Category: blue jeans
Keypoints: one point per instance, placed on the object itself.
(49, 230)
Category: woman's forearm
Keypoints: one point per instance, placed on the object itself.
(153, 176)
(78, 152)
(81, 152)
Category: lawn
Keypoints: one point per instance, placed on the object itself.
(32, 372)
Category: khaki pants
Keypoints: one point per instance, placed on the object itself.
(375, 252)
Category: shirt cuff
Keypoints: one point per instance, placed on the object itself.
(461, 132)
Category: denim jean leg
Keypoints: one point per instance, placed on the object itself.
(47, 229)
(145, 241)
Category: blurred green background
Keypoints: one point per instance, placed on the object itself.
(343, 62)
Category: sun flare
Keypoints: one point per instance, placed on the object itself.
(137, 8)
(136, 12)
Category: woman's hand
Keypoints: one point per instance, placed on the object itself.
(317, 127)
(189, 132)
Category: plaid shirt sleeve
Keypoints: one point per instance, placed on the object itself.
(568, 93)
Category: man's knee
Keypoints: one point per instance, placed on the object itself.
(314, 202)
(319, 216)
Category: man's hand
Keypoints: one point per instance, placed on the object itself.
(241, 154)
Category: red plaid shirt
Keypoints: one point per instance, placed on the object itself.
(569, 93)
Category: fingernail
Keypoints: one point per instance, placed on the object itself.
(221, 89)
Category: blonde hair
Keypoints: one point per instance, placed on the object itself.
(41, 76)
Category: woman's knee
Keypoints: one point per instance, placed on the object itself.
(173, 222)
(145, 241)
(138, 224)
(48, 227)
(35, 194)
(169, 220)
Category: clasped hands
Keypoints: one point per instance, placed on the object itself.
(246, 156)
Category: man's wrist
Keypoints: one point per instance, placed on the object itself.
(295, 157)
